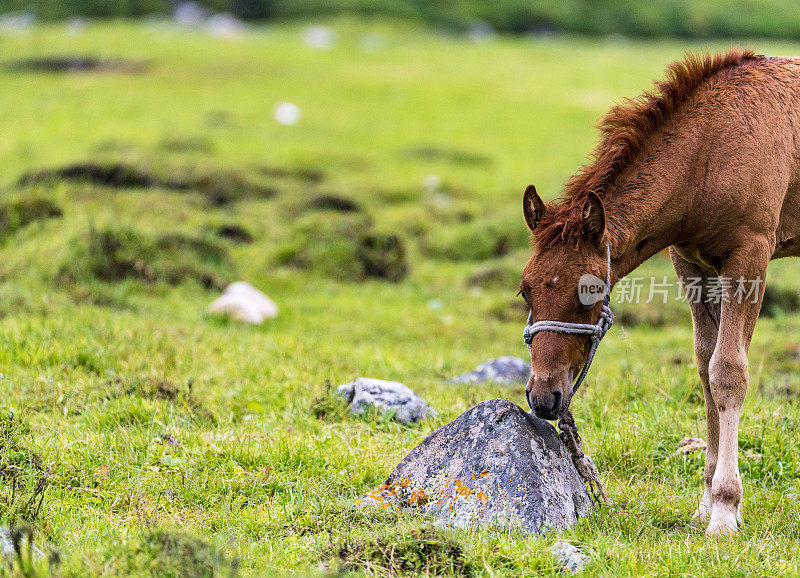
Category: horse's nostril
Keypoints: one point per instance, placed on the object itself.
(557, 395)
(528, 399)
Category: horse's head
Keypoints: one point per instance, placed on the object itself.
(563, 281)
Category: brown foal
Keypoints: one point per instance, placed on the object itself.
(707, 164)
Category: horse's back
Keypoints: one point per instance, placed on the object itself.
(748, 124)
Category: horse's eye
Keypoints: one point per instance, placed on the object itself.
(521, 294)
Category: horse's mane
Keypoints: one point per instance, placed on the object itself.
(624, 131)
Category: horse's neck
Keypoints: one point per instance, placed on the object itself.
(645, 216)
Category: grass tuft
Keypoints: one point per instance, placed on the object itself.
(17, 214)
(24, 479)
(344, 247)
(173, 552)
(219, 187)
(427, 551)
(111, 255)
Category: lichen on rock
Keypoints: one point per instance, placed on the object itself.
(493, 465)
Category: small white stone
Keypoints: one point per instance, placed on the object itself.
(189, 14)
(319, 37)
(689, 445)
(243, 302)
(287, 114)
(224, 25)
(481, 32)
(16, 22)
(431, 183)
(570, 557)
(76, 26)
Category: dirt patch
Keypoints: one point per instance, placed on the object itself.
(99, 296)
(511, 309)
(334, 203)
(208, 251)
(785, 387)
(181, 394)
(304, 174)
(220, 119)
(15, 215)
(235, 233)
(345, 247)
(653, 314)
(452, 156)
(115, 175)
(424, 552)
(631, 317)
(187, 145)
(114, 145)
(495, 276)
(111, 255)
(219, 187)
(155, 388)
(16, 301)
(478, 240)
(73, 64)
(397, 196)
(382, 257)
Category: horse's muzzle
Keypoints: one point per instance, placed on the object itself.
(545, 407)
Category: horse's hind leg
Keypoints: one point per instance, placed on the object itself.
(705, 321)
(728, 375)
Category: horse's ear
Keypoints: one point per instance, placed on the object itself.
(594, 218)
(532, 207)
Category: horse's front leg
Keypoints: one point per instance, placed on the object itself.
(705, 323)
(728, 377)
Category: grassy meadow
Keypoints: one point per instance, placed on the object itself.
(139, 435)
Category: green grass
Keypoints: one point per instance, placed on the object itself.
(173, 442)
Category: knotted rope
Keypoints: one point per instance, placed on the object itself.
(583, 463)
(566, 423)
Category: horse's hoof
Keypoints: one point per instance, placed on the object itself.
(722, 526)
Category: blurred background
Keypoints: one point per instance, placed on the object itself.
(668, 18)
(362, 163)
(160, 144)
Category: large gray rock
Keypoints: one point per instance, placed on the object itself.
(364, 393)
(493, 465)
(506, 370)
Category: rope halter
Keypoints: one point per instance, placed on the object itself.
(596, 331)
